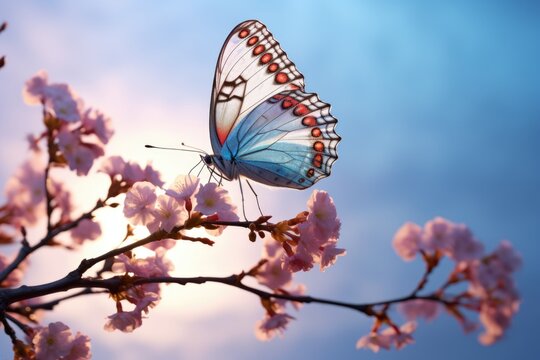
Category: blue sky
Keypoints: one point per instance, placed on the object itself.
(439, 113)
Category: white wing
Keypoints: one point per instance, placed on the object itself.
(251, 68)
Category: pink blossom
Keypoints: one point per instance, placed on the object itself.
(65, 104)
(125, 321)
(496, 319)
(139, 203)
(167, 214)
(147, 295)
(25, 192)
(184, 187)
(437, 235)
(414, 309)
(491, 278)
(152, 175)
(80, 157)
(81, 160)
(272, 249)
(374, 341)
(62, 199)
(34, 89)
(29, 178)
(388, 337)
(212, 199)
(407, 241)
(80, 349)
(116, 166)
(152, 266)
(86, 230)
(58, 98)
(272, 274)
(492, 286)
(463, 246)
(509, 259)
(113, 166)
(330, 254)
(133, 173)
(272, 325)
(53, 341)
(323, 215)
(302, 260)
(317, 235)
(56, 342)
(97, 123)
(404, 337)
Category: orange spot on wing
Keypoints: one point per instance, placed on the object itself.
(318, 146)
(281, 78)
(258, 50)
(243, 33)
(253, 40)
(273, 67)
(288, 102)
(309, 121)
(317, 160)
(300, 110)
(316, 132)
(266, 58)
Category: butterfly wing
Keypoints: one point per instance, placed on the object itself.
(251, 68)
(289, 140)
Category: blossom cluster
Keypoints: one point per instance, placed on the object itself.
(74, 137)
(56, 341)
(143, 297)
(79, 133)
(487, 283)
(163, 209)
(296, 244)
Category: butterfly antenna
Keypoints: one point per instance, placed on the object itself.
(171, 148)
(194, 149)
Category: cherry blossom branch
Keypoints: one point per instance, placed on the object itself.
(175, 233)
(120, 283)
(50, 305)
(51, 154)
(26, 249)
(8, 329)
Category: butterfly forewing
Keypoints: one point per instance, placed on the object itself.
(251, 68)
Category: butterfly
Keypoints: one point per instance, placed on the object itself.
(263, 125)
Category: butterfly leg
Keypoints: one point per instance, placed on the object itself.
(242, 193)
(256, 197)
(193, 168)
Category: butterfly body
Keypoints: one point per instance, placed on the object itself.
(263, 125)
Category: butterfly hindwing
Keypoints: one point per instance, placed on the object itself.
(289, 140)
(251, 68)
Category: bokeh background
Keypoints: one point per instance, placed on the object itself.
(438, 106)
